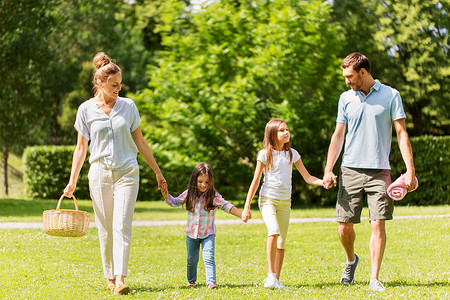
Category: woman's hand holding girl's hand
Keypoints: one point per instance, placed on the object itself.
(161, 181)
(164, 191)
(246, 215)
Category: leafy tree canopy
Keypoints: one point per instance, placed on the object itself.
(407, 43)
(235, 67)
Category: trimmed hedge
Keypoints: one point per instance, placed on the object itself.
(47, 171)
(431, 160)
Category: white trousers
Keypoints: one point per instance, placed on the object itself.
(114, 194)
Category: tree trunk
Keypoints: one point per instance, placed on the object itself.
(55, 128)
(416, 113)
(5, 168)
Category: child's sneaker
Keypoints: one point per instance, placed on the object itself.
(376, 285)
(191, 284)
(212, 286)
(271, 281)
(279, 285)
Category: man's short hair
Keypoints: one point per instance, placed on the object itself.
(357, 61)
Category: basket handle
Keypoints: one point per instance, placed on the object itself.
(74, 200)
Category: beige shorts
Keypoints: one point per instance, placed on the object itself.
(276, 214)
(357, 184)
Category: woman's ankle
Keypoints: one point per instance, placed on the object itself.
(120, 279)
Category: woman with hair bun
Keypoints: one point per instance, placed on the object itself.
(112, 125)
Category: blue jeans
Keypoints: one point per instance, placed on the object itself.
(193, 249)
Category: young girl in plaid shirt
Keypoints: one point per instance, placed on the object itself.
(201, 201)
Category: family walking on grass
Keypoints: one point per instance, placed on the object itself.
(364, 124)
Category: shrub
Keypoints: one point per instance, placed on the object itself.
(431, 160)
(47, 171)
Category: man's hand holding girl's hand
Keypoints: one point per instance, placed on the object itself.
(329, 180)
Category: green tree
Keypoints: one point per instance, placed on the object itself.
(25, 27)
(126, 31)
(85, 28)
(44, 45)
(220, 79)
(407, 43)
(415, 35)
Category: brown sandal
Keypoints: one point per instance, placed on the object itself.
(121, 289)
(111, 287)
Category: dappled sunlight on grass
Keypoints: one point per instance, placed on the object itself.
(38, 266)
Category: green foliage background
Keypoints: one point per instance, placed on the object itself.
(47, 170)
(214, 90)
(207, 80)
(407, 44)
(431, 157)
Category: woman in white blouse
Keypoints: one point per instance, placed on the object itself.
(112, 124)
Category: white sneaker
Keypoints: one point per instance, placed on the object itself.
(376, 285)
(271, 281)
(279, 285)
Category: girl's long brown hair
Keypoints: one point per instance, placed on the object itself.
(271, 140)
(193, 193)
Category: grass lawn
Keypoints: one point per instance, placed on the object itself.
(20, 210)
(37, 266)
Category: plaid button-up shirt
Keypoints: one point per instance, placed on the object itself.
(200, 222)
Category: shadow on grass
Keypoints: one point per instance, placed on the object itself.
(150, 209)
(144, 289)
(416, 284)
(24, 208)
(237, 286)
(387, 284)
(391, 284)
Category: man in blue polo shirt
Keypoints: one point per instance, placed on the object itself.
(366, 112)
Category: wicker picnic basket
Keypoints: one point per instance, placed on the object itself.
(66, 222)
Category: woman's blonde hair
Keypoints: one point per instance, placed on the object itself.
(104, 68)
(271, 140)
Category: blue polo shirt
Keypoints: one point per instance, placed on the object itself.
(369, 124)
(110, 136)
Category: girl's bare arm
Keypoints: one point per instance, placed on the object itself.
(305, 174)
(246, 213)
